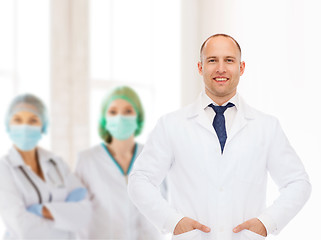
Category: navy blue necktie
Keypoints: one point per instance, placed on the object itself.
(219, 122)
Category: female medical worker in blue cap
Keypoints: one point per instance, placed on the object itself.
(104, 169)
(39, 197)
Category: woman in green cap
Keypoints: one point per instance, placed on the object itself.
(104, 170)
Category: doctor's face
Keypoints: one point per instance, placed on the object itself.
(221, 68)
(120, 107)
(25, 118)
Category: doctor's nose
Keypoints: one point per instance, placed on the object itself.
(220, 68)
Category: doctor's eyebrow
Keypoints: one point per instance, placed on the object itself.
(213, 57)
(230, 57)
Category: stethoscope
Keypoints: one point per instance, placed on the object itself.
(35, 186)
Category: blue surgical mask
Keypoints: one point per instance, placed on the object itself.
(121, 127)
(25, 137)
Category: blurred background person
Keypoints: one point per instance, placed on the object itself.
(39, 197)
(104, 170)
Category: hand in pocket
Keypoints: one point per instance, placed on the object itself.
(187, 224)
(253, 225)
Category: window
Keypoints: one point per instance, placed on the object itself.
(24, 58)
(132, 43)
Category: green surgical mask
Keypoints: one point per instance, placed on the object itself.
(121, 127)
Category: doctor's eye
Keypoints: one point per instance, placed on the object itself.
(129, 111)
(112, 112)
(34, 121)
(16, 120)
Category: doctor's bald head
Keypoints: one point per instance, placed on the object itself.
(219, 35)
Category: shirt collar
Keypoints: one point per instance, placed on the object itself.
(206, 100)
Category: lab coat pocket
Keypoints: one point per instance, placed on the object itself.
(249, 235)
(191, 235)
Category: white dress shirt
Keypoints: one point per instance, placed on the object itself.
(229, 113)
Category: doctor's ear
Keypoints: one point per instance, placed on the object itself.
(200, 68)
(242, 67)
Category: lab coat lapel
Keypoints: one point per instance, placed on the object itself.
(15, 158)
(197, 112)
(239, 123)
(243, 116)
(49, 170)
(203, 120)
(43, 158)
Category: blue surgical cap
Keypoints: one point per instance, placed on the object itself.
(30, 103)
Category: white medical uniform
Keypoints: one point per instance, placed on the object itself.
(17, 192)
(114, 215)
(218, 190)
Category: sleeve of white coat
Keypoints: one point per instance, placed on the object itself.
(287, 171)
(13, 209)
(147, 231)
(150, 169)
(82, 174)
(70, 216)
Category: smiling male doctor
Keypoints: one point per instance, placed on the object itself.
(216, 154)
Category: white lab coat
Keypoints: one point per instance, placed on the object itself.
(17, 193)
(114, 215)
(218, 190)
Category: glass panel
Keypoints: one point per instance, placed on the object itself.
(143, 51)
(7, 36)
(166, 56)
(100, 40)
(121, 40)
(34, 47)
(132, 41)
(6, 70)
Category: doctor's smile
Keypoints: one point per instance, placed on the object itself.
(221, 79)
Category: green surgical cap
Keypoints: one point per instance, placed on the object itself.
(30, 103)
(128, 94)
